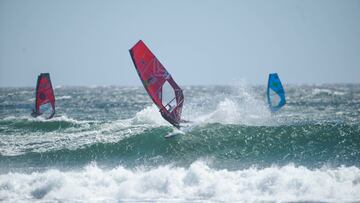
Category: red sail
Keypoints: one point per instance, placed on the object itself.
(44, 93)
(159, 84)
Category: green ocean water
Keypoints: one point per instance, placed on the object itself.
(111, 139)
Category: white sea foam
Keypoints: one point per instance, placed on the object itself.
(42, 119)
(149, 115)
(63, 97)
(241, 106)
(196, 183)
(317, 91)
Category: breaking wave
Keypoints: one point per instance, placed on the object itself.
(198, 182)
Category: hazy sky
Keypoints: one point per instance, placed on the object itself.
(199, 41)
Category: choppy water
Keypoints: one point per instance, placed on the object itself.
(107, 144)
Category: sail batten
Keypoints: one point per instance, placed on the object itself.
(159, 84)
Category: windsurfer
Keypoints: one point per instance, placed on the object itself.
(34, 113)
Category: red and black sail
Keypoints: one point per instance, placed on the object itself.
(44, 94)
(159, 84)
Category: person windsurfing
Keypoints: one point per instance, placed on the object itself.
(275, 93)
(34, 113)
(44, 95)
(160, 86)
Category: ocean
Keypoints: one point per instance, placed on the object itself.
(106, 144)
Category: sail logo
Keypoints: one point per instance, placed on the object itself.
(274, 84)
(151, 80)
(42, 96)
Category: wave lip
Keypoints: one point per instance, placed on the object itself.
(196, 183)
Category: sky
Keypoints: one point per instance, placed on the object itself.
(200, 42)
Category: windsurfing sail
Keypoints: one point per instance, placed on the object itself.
(44, 96)
(275, 93)
(161, 87)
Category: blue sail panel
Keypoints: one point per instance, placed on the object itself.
(275, 93)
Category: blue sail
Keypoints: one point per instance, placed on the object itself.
(275, 93)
